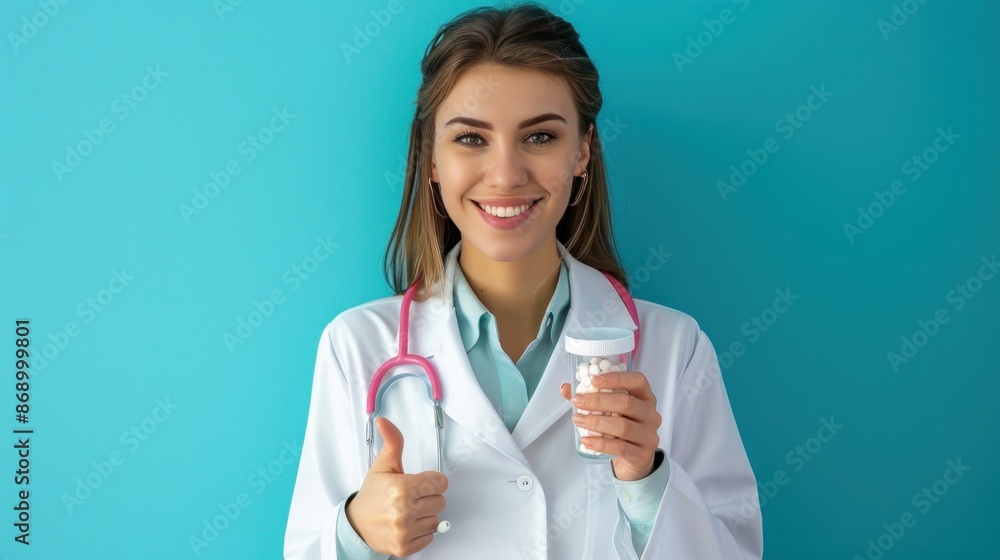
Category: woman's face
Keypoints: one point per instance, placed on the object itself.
(507, 138)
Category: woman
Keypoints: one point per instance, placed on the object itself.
(505, 220)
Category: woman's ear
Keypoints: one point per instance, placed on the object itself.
(434, 169)
(584, 158)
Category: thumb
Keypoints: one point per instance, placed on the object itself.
(390, 457)
(566, 390)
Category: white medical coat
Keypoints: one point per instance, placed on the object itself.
(527, 494)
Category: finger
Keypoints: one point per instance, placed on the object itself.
(390, 457)
(620, 403)
(428, 483)
(614, 426)
(632, 381)
(424, 526)
(429, 505)
(418, 544)
(612, 446)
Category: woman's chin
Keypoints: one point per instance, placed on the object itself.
(510, 248)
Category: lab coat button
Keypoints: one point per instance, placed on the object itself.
(525, 483)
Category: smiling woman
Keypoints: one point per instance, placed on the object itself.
(503, 243)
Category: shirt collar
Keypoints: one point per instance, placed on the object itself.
(470, 310)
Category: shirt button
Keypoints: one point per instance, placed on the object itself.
(525, 483)
(627, 496)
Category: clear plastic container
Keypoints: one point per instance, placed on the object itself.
(594, 351)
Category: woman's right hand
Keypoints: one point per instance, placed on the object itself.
(396, 513)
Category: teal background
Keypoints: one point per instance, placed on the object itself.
(335, 172)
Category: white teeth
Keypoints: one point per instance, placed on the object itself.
(506, 211)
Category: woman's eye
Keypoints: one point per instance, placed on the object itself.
(474, 140)
(541, 138)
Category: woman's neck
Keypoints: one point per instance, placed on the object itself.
(518, 292)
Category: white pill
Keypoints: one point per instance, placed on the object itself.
(582, 411)
(584, 432)
(605, 365)
(444, 527)
(581, 388)
(622, 367)
(595, 360)
(593, 389)
(594, 369)
(586, 381)
(583, 368)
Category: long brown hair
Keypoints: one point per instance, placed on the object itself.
(526, 35)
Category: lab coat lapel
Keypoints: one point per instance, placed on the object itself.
(593, 302)
(434, 334)
(547, 404)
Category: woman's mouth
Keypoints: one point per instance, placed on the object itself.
(506, 216)
(505, 211)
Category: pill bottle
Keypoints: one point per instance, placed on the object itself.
(594, 351)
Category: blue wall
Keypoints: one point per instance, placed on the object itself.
(167, 170)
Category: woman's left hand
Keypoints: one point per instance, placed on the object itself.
(629, 423)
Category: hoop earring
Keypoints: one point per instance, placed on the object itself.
(583, 185)
(434, 203)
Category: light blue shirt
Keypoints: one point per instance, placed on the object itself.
(509, 386)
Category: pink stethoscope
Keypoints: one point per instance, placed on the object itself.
(377, 390)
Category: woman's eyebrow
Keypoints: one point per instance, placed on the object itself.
(488, 126)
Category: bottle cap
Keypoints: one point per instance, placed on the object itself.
(600, 341)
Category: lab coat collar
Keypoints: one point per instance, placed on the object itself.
(434, 333)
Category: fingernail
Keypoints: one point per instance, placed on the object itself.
(577, 399)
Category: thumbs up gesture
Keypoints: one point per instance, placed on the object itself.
(396, 513)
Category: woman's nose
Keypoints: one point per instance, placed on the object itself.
(506, 168)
